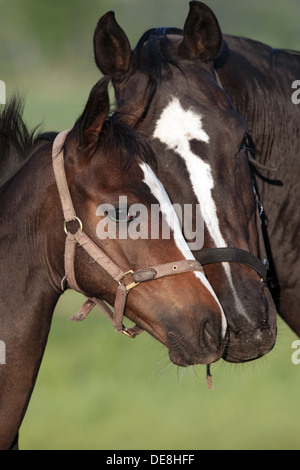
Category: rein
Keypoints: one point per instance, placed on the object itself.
(81, 239)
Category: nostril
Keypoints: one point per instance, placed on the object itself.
(209, 337)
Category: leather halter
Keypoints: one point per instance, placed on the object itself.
(81, 239)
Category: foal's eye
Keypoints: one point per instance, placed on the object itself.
(120, 214)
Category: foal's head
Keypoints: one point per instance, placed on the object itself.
(115, 192)
(167, 88)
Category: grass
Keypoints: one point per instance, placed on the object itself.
(100, 390)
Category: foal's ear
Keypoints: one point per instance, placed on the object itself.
(111, 47)
(202, 37)
(95, 113)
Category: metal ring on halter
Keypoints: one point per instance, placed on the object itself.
(127, 333)
(75, 218)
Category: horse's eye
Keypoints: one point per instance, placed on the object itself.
(120, 214)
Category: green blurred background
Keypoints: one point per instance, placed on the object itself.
(97, 389)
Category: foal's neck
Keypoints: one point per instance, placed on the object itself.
(31, 255)
(32, 245)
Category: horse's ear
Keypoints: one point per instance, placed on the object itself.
(111, 47)
(202, 37)
(95, 113)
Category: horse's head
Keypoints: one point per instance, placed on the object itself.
(124, 210)
(168, 89)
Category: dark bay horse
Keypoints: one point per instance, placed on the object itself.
(199, 139)
(97, 161)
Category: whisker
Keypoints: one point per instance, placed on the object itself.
(163, 365)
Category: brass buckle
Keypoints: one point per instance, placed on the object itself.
(130, 286)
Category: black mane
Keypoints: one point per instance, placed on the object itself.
(152, 52)
(16, 141)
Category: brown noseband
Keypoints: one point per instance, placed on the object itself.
(83, 240)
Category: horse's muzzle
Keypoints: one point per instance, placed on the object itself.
(205, 347)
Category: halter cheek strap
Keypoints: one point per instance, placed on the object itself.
(82, 240)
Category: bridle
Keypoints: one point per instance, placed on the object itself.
(81, 239)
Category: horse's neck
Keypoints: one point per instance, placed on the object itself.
(23, 330)
(32, 247)
(27, 300)
(259, 80)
